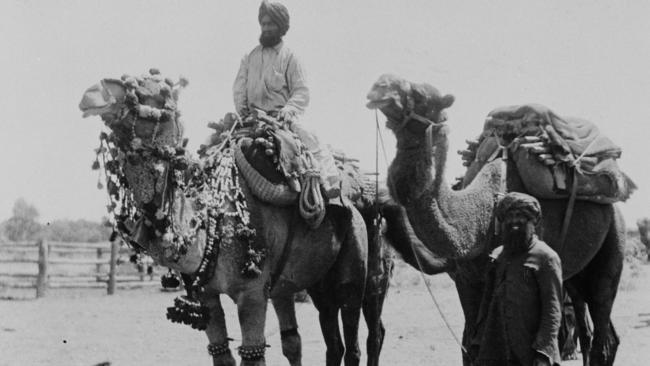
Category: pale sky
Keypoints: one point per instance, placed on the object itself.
(580, 58)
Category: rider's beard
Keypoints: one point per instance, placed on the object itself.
(270, 39)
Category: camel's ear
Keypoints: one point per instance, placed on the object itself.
(418, 91)
(447, 101)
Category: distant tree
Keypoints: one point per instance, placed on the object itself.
(77, 231)
(3, 235)
(23, 225)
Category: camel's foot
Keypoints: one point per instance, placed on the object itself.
(372, 308)
(252, 355)
(603, 350)
(258, 362)
(374, 343)
(292, 346)
(570, 356)
(224, 359)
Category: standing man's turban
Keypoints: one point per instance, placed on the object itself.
(278, 13)
(521, 202)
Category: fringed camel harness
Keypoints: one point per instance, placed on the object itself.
(212, 185)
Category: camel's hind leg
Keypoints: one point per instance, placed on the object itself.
(380, 267)
(598, 284)
(329, 323)
(373, 305)
(583, 327)
(343, 288)
(350, 271)
(350, 318)
(285, 309)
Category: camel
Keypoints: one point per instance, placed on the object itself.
(644, 233)
(226, 240)
(459, 225)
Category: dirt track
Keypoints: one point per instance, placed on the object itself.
(83, 328)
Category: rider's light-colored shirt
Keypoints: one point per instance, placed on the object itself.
(269, 79)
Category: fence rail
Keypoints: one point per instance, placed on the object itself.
(52, 257)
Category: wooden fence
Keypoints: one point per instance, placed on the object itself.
(67, 265)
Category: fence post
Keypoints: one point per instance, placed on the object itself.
(41, 280)
(113, 267)
(98, 266)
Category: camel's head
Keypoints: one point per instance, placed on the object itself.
(143, 154)
(408, 105)
(140, 111)
(146, 134)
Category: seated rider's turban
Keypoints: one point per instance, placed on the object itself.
(522, 202)
(278, 13)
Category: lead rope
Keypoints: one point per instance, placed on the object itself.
(417, 259)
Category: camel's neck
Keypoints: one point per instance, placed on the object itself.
(181, 247)
(451, 224)
(418, 169)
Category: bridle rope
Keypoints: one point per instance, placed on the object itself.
(379, 139)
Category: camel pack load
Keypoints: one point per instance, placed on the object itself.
(555, 156)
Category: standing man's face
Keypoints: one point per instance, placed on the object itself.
(270, 32)
(518, 230)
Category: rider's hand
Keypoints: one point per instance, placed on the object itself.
(287, 115)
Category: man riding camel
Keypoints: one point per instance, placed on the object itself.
(272, 79)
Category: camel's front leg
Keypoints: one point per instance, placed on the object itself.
(217, 334)
(251, 307)
(470, 294)
(285, 309)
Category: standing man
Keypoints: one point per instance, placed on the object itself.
(271, 79)
(520, 314)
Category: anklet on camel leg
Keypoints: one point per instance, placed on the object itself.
(252, 353)
(218, 349)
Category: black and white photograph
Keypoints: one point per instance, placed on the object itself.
(339, 183)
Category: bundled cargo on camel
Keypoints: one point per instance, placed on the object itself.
(554, 155)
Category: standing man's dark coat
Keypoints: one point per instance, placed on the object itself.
(520, 314)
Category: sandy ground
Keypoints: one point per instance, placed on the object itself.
(71, 328)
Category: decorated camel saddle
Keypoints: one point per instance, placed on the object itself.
(555, 156)
(277, 166)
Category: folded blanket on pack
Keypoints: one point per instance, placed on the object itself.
(573, 135)
(550, 151)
